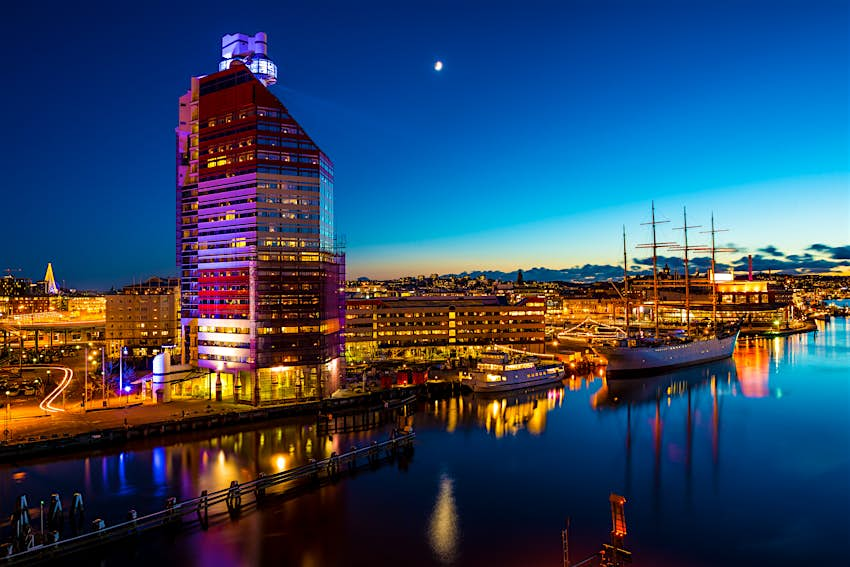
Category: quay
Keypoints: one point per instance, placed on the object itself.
(771, 332)
(70, 431)
(23, 550)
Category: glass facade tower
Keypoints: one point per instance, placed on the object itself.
(261, 277)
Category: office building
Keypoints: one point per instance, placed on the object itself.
(261, 276)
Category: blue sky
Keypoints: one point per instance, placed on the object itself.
(551, 125)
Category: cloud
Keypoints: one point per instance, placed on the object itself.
(824, 260)
(834, 252)
(772, 251)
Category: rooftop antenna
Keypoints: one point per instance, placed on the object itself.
(251, 51)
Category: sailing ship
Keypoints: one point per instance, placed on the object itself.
(650, 354)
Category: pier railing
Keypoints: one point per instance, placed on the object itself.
(23, 551)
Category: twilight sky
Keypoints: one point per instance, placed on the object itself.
(551, 125)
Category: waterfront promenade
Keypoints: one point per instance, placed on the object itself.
(31, 423)
(34, 432)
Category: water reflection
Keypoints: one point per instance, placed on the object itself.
(504, 414)
(753, 364)
(619, 392)
(705, 456)
(144, 474)
(444, 529)
(700, 389)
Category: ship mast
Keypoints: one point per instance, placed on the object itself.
(655, 244)
(687, 276)
(713, 278)
(686, 259)
(714, 250)
(626, 281)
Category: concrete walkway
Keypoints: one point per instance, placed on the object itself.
(30, 423)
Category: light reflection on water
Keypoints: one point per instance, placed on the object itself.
(444, 528)
(715, 461)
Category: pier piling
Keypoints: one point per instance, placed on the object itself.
(203, 510)
(55, 518)
(78, 513)
(260, 490)
(234, 498)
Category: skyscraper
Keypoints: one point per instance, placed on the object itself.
(261, 276)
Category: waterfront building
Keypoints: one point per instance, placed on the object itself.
(261, 276)
(437, 327)
(143, 318)
(756, 303)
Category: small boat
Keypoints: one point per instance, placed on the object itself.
(500, 372)
(583, 334)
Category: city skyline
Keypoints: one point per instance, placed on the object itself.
(549, 127)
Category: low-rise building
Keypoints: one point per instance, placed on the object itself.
(144, 317)
(434, 328)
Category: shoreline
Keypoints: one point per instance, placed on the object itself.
(78, 431)
(771, 333)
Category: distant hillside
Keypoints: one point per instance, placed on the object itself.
(586, 273)
(794, 264)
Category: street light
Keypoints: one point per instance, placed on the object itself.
(8, 409)
(86, 383)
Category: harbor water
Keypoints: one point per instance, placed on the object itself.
(740, 462)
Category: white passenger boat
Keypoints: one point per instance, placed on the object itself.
(500, 372)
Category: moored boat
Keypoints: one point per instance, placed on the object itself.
(501, 372)
(641, 355)
(584, 333)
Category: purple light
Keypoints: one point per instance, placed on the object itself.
(127, 389)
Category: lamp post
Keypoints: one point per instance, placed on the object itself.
(103, 383)
(8, 409)
(103, 364)
(86, 383)
(120, 369)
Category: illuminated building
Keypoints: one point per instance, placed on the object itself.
(12, 289)
(261, 277)
(441, 327)
(757, 303)
(50, 286)
(144, 317)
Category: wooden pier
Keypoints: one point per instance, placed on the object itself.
(363, 419)
(25, 551)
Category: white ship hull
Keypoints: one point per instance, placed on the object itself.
(651, 359)
(515, 379)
